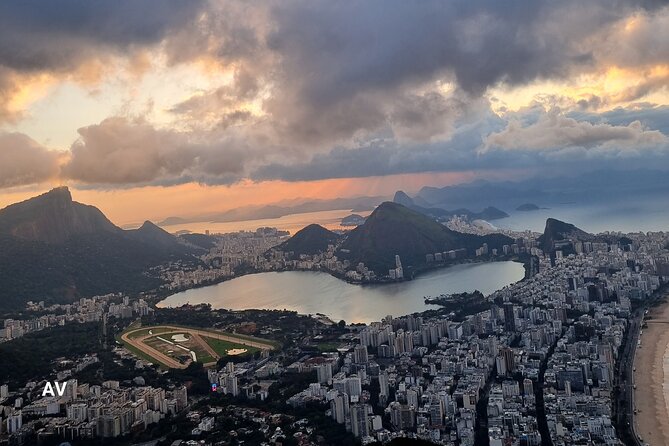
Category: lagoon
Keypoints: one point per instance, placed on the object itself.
(309, 292)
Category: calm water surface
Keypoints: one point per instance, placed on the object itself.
(315, 292)
(644, 214)
(291, 223)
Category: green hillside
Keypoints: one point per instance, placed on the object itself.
(395, 229)
(309, 240)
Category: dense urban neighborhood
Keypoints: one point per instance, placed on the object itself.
(542, 361)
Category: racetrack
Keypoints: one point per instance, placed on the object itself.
(196, 334)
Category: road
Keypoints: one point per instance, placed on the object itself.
(625, 381)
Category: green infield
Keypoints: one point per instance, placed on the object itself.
(222, 347)
(147, 331)
(176, 346)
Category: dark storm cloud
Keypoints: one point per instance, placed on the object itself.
(59, 36)
(538, 141)
(342, 70)
(54, 34)
(387, 157)
(349, 88)
(345, 47)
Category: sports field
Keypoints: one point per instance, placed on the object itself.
(177, 347)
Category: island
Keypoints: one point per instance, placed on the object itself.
(352, 220)
(528, 207)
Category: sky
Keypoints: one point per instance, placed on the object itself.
(155, 108)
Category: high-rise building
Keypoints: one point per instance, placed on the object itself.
(510, 389)
(181, 396)
(399, 272)
(509, 360)
(360, 355)
(509, 317)
(14, 422)
(436, 411)
(77, 412)
(354, 385)
(412, 398)
(324, 372)
(231, 385)
(500, 364)
(360, 420)
(402, 416)
(528, 386)
(109, 426)
(340, 408)
(383, 383)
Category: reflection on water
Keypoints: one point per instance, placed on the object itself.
(291, 223)
(315, 292)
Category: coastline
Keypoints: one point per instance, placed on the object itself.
(651, 422)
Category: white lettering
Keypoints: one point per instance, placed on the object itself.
(60, 389)
(48, 390)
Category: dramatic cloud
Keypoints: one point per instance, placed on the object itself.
(23, 161)
(535, 140)
(36, 35)
(554, 131)
(639, 40)
(318, 89)
(651, 116)
(119, 151)
(342, 67)
(387, 156)
(59, 36)
(328, 74)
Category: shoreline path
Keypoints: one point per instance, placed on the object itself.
(651, 420)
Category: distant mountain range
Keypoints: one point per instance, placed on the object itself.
(395, 229)
(356, 204)
(489, 213)
(586, 188)
(55, 249)
(392, 229)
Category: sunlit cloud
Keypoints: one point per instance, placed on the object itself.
(160, 94)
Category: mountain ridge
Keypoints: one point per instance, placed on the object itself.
(311, 239)
(488, 213)
(393, 229)
(557, 233)
(55, 249)
(53, 217)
